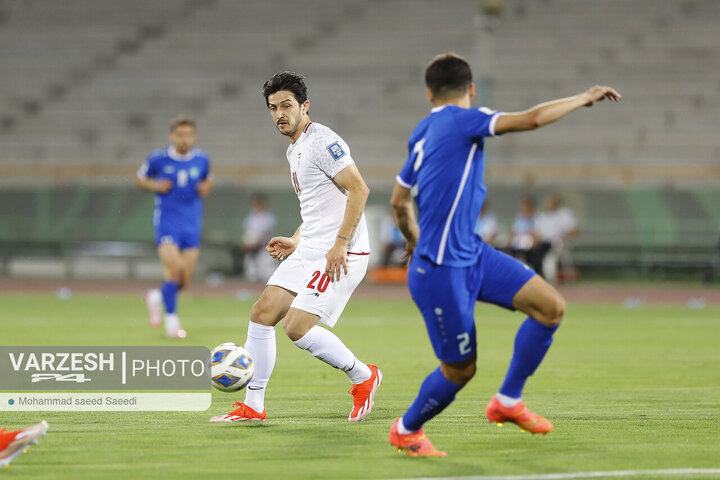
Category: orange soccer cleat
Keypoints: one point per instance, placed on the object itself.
(241, 414)
(517, 414)
(415, 444)
(364, 395)
(13, 443)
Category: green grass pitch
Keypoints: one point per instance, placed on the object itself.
(626, 389)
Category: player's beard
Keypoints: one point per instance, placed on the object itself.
(290, 127)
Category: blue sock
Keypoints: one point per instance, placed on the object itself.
(436, 393)
(531, 343)
(169, 294)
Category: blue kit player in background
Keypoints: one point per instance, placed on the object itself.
(180, 177)
(451, 267)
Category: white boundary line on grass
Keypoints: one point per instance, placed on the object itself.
(572, 475)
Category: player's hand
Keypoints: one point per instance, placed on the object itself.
(336, 260)
(203, 188)
(280, 247)
(163, 186)
(409, 249)
(599, 93)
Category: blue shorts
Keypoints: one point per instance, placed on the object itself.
(183, 240)
(446, 297)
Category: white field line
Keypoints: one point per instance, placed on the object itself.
(572, 475)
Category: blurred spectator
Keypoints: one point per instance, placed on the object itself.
(259, 225)
(486, 226)
(393, 242)
(525, 240)
(524, 236)
(556, 228)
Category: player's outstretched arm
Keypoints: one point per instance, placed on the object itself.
(404, 214)
(348, 178)
(553, 110)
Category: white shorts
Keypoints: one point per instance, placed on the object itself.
(303, 273)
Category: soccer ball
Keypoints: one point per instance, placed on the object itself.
(231, 367)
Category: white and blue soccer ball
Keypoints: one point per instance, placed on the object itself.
(231, 367)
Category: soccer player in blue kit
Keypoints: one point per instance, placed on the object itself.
(180, 177)
(451, 268)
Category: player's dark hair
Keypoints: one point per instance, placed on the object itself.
(179, 120)
(290, 81)
(448, 75)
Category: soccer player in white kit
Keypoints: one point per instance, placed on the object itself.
(322, 262)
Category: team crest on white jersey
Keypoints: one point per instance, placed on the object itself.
(336, 150)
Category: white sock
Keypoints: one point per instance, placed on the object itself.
(359, 372)
(154, 296)
(326, 346)
(402, 429)
(172, 323)
(507, 401)
(261, 346)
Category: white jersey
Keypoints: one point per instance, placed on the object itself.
(556, 224)
(315, 158)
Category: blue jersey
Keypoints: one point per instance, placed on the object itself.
(444, 170)
(180, 209)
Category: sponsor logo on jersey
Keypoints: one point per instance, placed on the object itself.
(336, 150)
(168, 169)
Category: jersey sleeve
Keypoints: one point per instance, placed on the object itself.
(149, 169)
(330, 154)
(405, 177)
(477, 122)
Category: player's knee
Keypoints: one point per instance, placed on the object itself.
(459, 374)
(294, 330)
(552, 311)
(263, 313)
(468, 372)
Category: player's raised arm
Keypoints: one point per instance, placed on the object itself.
(553, 110)
(348, 178)
(404, 214)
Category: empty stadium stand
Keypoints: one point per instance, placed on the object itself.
(88, 82)
(89, 85)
